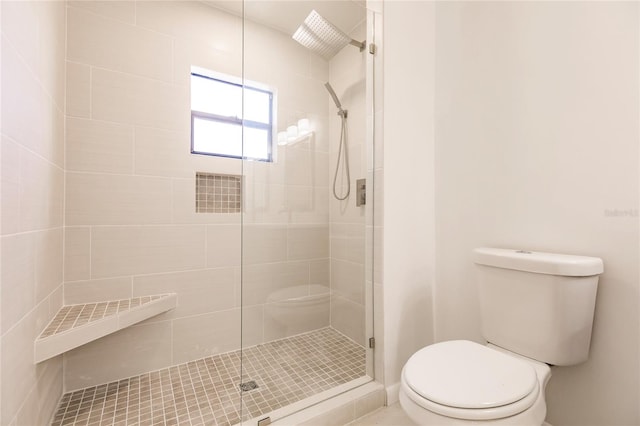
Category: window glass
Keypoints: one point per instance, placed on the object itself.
(217, 122)
(216, 97)
(257, 106)
(217, 137)
(254, 146)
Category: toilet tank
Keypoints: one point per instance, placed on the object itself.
(539, 305)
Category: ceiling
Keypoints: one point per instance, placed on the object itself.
(287, 15)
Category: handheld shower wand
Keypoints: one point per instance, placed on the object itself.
(342, 149)
(335, 98)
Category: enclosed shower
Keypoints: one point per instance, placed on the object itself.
(213, 267)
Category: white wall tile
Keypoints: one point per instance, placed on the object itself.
(90, 291)
(163, 152)
(218, 57)
(205, 335)
(78, 100)
(102, 42)
(253, 325)
(16, 16)
(130, 250)
(104, 199)
(319, 272)
(18, 277)
(41, 193)
(348, 318)
(264, 281)
(133, 350)
(36, 106)
(10, 175)
(95, 146)
(77, 253)
(264, 243)
(19, 373)
(124, 11)
(199, 292)
(192, 21)
(130, 99)
(42, 401)
(223, 246)
(347, 279)
(48, 262)
(307, 242)
(32, 202)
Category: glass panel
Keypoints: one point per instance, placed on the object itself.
(305, 289)
(215, 137)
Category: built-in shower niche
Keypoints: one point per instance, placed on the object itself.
(218, 193)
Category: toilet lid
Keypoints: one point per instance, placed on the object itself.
(465, 374)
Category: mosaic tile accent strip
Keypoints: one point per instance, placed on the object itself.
(207, 392)
(217, 193)
(73, 316)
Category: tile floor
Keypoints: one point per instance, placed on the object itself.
(385, 416)
(207, 392)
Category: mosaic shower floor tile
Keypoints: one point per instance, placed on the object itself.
(207, 391)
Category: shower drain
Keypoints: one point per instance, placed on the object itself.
(247, 386)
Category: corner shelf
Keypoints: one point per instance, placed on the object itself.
(75, 325)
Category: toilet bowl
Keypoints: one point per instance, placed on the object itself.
(461, 382)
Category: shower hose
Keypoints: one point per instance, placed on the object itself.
(344, 154)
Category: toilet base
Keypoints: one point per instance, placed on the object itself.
(533, 416)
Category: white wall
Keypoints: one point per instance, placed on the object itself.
(536, 146)
(408, 182)
(536, 143)
(31, 193)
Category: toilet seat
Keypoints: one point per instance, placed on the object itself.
(466, 380)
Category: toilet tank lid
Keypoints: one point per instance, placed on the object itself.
(538, 262)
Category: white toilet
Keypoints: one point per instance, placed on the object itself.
(537, 310)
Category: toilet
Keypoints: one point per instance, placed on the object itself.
(536, 311)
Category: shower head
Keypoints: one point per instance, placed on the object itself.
(322, 37)
(333, 95)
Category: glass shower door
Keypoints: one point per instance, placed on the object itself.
(304, 296)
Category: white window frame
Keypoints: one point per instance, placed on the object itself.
(243, 123)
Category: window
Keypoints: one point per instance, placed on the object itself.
(217, 117)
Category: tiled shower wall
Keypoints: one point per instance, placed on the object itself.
(347, 75)
(32, 191)
(131, 226)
